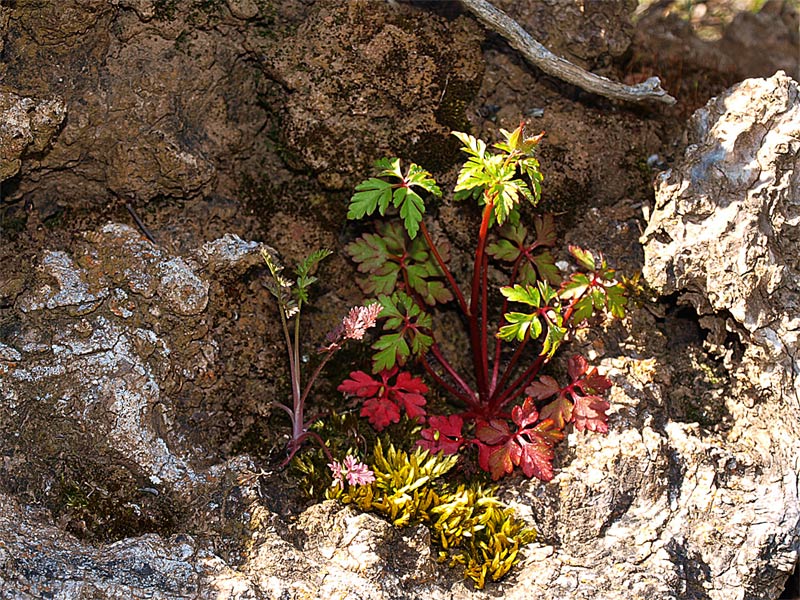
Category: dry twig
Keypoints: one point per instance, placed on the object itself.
(521, 40)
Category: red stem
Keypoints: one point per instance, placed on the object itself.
(485, 322)
(498, 342)
(462, 303)
(452, 372)
(449, 388)
(516, 388)
(511, 364)
(477, 331)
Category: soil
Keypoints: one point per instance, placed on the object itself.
(281, 179)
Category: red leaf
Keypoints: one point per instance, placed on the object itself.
(525, 415)
(380, 412)
(590, 413)
(576, 366)
(408, 383)
(407, 390)
(384, 399)
(443, 435)
(414, 404)
(492, 432)
(559, 411)
(536, 457)
(549, 431)
(360, 384)
(594, 383)
(495, 459)
(545, 387)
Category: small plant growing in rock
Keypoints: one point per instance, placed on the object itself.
(291, 296)
(507, 409)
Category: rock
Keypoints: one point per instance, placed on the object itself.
(724, 230)
(381, 61)
(27, 126)
(589, 33)
(723, 237)
(243, 9)
(38, 560)
(162, 102)
(103, 338)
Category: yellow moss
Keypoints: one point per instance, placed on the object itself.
(474, 529)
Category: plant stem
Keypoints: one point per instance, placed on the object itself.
(462, 303)
(519, 384)
(477, 338)
(315, 374)
(452, 372)
(485, 323)
(297, 426)
(449, 388)
(498, 342)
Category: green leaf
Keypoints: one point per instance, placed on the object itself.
(411, 208)
(371, 195)
(471, 145)
(392, 350)
(616, 300)
(555, 335)
(304, 271)
(311, 262)
(575, 286)
(420, 343)
(390, 257)
(546, 268)
(419, 177)
(389, 167)
(527, 295)
(584, 309)
(584, 257)
(545, 230)
(503, 250)
(520, 325)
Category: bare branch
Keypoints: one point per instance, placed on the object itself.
(521, 40)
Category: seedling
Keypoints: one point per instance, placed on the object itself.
(506, 407)
(291, 296)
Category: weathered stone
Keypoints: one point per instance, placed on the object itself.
(724, 237)
(380, 60)
(27, 126)
(103, 337)
(725, 226)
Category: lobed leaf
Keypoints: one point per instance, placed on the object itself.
(371, 195)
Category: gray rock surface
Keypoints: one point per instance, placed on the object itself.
(724, 238)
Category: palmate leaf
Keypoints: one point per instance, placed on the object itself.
(392, 351)
(519, 326)
(409, 325)
(443, 434)
(496, 174)
(390, 258)
(371, 195)
(529, 447)
(595, 292)
(537, 263)
(383, 398)
(528, 294)
(555, 335)
(411, 209)
(579, 402)
(377, 194)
